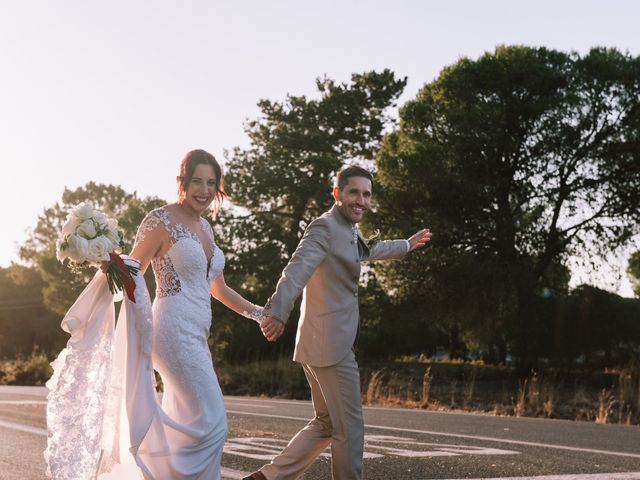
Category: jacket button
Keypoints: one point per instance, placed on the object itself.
(352, 242)
(355, 294)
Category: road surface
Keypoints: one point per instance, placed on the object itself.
(400, 443)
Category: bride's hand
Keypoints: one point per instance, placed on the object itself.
(272, 329)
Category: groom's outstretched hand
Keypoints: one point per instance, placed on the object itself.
(272, 328)
(420, 239)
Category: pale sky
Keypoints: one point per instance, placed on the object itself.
(116, 92)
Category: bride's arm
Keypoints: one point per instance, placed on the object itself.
(233, 300)
(145, 251)
(149, 241)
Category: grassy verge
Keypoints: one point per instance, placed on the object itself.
(609, 396)
(33, 370)
(272, 378)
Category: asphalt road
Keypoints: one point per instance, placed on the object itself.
(400, 444)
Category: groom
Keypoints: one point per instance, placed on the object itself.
(326, 264)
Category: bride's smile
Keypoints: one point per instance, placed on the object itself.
(198, 191)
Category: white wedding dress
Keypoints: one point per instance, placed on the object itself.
(103, 414)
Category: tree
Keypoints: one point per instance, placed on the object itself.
(599, 325)
(633, 270)
(62, 286)
(283, 180)
(516, 161)
(26, 325)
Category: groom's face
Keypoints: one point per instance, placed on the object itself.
(354, 199)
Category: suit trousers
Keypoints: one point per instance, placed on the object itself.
(335, 392)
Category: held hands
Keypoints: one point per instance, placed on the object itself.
(272, 328)
(419, 239)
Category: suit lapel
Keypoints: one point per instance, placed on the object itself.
(363, 248)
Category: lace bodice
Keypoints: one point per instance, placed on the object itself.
(187, 255)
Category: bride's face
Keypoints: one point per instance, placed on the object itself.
(201, 189)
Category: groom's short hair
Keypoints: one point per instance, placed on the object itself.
(351, 171)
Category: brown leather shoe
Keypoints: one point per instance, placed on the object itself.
(255, 476)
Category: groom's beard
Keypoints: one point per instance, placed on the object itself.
(354, 213)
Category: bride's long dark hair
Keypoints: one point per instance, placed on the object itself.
(188, 166)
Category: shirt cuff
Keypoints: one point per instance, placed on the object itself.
(408, 246)
(267, 313)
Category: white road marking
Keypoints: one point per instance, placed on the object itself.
(437, 449)
(307, 403)
(233, 474)
(264, 449)
(255, 401)
(376, 446)
(579, 476)
(23, 428)
(234, 404)
(34, 391)
(459, 435)
(23, 402)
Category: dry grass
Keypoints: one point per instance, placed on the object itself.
(426, 386)
(468, 387)
(374, 387)
(521, 402)
(606, 401)
(273, 378)
(495, 390)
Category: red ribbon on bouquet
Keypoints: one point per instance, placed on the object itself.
(123, 272)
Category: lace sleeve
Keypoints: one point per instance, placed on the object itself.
(208, 230)
(149, 238)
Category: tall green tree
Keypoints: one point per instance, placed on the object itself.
(283, 180)
(600, 326)
(62, 286)
(26, 324)
(516, 160)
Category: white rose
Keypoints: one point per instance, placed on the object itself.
(113, 236)
(86, 229)
(99, 249)
(112, 225)
(70, 225)
(83, 211)
(78, 249)
(100, 217)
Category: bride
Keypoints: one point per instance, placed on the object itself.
(103, 415)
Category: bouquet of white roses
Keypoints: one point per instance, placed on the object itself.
(90, 237)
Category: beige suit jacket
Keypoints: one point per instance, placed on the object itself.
(326, 268)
